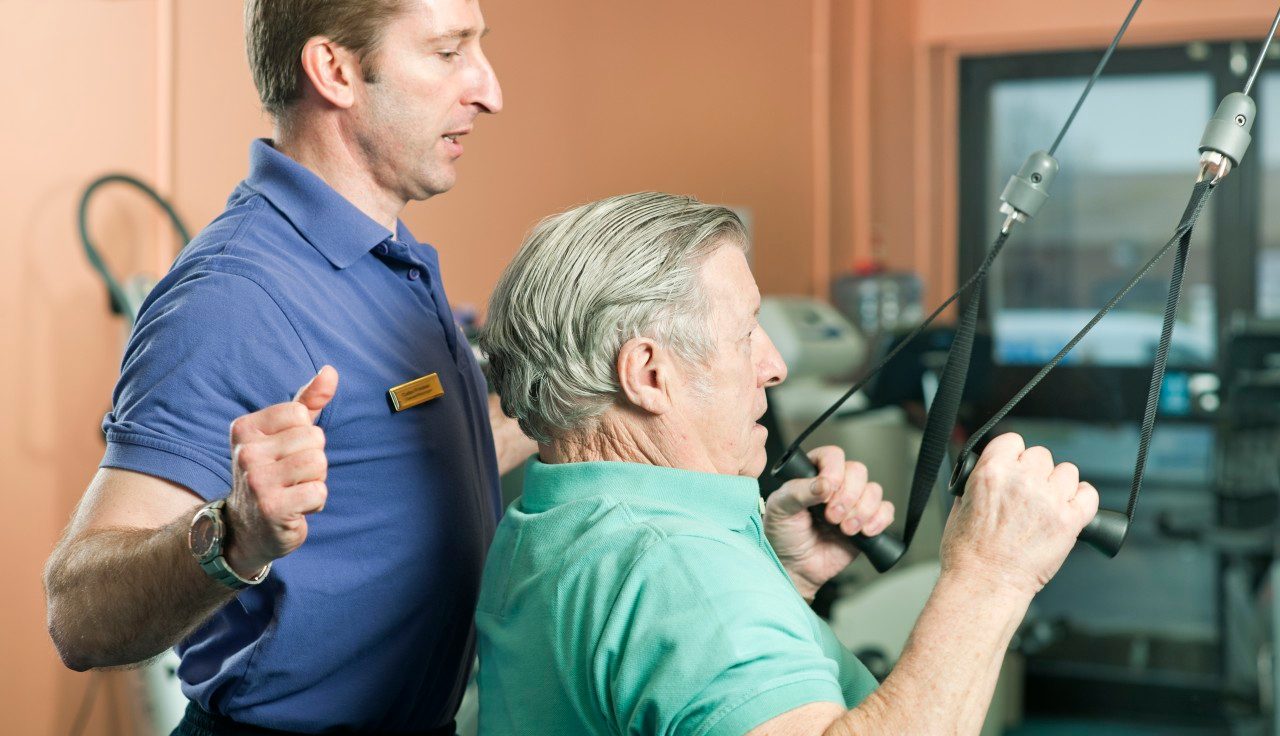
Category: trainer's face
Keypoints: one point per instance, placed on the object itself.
(430, 81)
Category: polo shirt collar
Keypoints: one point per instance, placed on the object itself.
(728, 500)
(330, 222)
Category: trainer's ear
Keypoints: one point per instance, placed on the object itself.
(319, 391)
(331, 70)
(645, 374)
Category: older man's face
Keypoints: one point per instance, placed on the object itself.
(744, 361)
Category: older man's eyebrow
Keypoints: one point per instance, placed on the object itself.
(459, 34)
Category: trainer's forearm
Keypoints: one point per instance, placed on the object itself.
(121, 596)
(944, 680)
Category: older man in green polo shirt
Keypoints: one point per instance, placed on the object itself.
(638, 587)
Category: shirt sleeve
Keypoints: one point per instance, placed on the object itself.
(210, 348)
(708, 638)
(856, 681)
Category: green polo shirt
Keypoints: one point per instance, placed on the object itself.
(621, 598)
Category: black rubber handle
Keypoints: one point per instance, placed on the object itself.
(1105, 532)
(883, 550)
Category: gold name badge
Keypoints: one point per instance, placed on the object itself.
(417, 391)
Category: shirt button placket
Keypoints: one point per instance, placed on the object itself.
(414, 274)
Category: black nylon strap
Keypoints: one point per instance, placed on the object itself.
(1182, 239)
(1157, 372)
(861, 383)
(946, 402)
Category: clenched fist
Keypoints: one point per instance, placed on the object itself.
(278, 469)
(1019, 516)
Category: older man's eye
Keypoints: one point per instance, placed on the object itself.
(449, 55)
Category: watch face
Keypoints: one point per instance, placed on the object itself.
(203, 534)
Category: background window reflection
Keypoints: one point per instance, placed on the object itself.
(1127, 166)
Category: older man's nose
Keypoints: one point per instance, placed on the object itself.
(772, 368)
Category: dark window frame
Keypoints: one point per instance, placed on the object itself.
(1235, 220)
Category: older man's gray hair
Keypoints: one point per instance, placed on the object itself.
(583, 283)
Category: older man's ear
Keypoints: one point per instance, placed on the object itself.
(645, 374)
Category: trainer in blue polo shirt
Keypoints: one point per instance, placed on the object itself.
(367, 624)
(313, 553)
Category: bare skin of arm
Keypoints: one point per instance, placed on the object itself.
(1005, 539)
(122, 586)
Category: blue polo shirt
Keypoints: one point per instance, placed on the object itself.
(368, 625)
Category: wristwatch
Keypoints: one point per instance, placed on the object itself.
(207, 540)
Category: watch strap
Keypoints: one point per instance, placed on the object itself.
(217, 567)
(219, 570)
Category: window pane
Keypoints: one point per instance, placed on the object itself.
(1267, 132)
(1128, 165)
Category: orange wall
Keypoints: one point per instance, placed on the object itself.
(833, 121)
(79, 102)
(610, 97)
(1001, 25)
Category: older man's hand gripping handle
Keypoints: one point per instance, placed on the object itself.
(1105, 532)
(883, 550)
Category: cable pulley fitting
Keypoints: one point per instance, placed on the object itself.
(1226, 136)
(1028, 190)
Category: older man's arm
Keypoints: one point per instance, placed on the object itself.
(1005, 539)
(944, 681)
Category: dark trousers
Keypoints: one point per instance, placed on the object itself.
(199, 722)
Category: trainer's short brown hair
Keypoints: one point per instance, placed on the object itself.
(276, 31)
